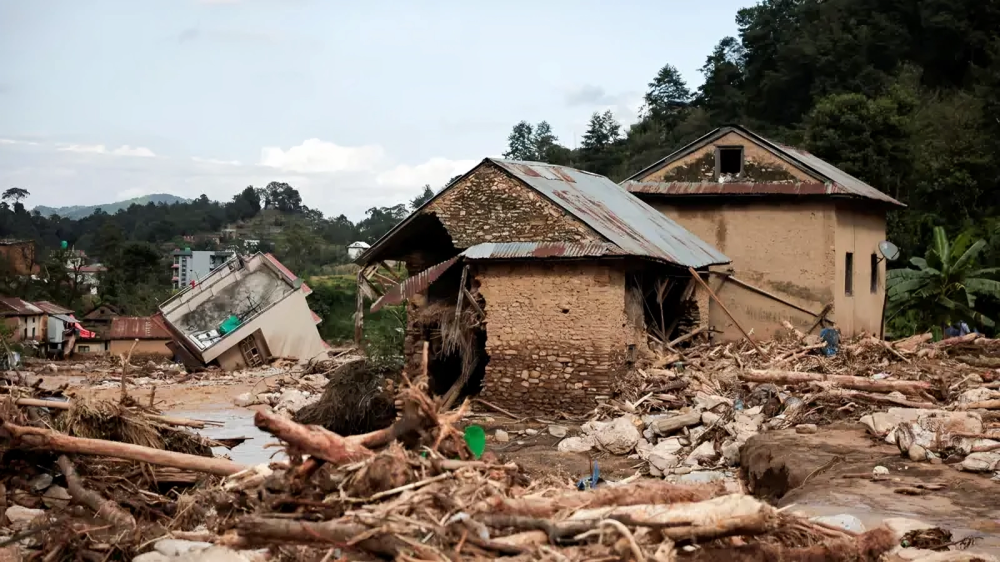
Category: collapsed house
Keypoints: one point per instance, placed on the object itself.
(534, 284)
(803, 235)
(245, 312)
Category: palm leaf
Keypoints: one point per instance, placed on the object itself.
(987, 287)
(966, 258)
(967, 312)
(941, 248)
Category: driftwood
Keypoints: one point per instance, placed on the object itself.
(958, 339)
(313, 440)
(262, 532)
(65, 405)
(878, 398)
(666, 426)
(984, 405)
(104, 509)
(846, 381)
(44, 439)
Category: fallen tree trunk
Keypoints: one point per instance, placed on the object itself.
(846, 381)
(261, 532)
(313, 440)
(878, 398)
(867, 547)
(644, 491)
(103, 509)
(666, 426)
(44, 439)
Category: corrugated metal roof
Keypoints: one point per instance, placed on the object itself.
(729, 188)
(839, 182)
(20, 307)
(501, 250)
(623, 219)
(52, 308)
(137, 327)
(413, 285)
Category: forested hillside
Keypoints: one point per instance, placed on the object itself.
(902, 94)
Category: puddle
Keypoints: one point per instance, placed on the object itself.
(238, 423)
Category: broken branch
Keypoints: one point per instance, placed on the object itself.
(104, 509)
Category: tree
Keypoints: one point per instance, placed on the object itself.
(15, 194)
(602, 132)
(521, 143)
(544, 142)
(424, 197)
(944, 285)
(282, 197)
(721, 95)
(667, 96)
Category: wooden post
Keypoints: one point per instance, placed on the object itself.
(726, 310)
(461, 294)
(359, 313)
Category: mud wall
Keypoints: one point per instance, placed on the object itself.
(491, 206)
(557, 334)
(785, 248)
(859, 231)
(144, 347)
(759, 165)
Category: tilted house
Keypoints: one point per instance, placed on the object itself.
(803, 235)
(556, 267)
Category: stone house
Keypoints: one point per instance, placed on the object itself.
(803, 235)
(551, 270)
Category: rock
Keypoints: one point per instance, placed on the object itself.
(745, 425)
(151, 556)
(703, 401)
(916, 453)
(246, 399)
(559, 431)
(178, 547)
(664, 455)
(21, 516)
(842, 521)
(56, 496)
(879, 424)
(581, 444)
(643, 448)
(531, 431)
(806, 428)
(880, 472)
(41, 482)
(151, 365)
(703, 454)
(981, 462)
(293, 400)
(501, 436)
(702, 477)
(619, 437)
(662, 463)
(708, 418)
(731, 453)
(51, 368)
(683, 470)
(214, 554)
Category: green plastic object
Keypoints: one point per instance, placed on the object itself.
(475, 438)
(229, 324)
(63, 245)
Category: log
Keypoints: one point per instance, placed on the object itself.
(879, 398)
(719, 302)
(982, 362)
(104, 509)
(312, 440)
(846, 381)
(957, 340)
(261, 532)
(666, 426)
(44, 439)
(984, 405)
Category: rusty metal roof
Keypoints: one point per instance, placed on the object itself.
(635, 227)
(137, 327)
(413, 285)
(510, 250)
(729, 188)
(835, 180)
(19, 307)
(52, 308)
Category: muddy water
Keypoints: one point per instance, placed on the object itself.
(238, 422)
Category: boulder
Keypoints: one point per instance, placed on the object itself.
(531, 432)
(981, 462)
(293, 400)
(177, 547)
(559, 431)
(619, 437)
(580, 444)
(702, 455)
(664, 455)
(246, 399)
(501, 436)
(21, 516)
(916, 453)
(56, 496)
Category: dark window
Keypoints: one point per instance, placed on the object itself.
(874, 274)
(730, 161)
(849, 274)
(83, 348)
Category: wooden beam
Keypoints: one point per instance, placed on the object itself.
(712, 294)
(359, 313)
(461, 294)
(472, 301)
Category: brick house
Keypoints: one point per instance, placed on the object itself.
(803, 235)
(26, 321)
(556, 264)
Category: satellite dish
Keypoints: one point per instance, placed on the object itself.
(888, 250)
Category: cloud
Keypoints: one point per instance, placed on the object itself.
(18, 142)
(216, 161)
(315, 155)
(435, 172)
(589, 94)
(123, 150)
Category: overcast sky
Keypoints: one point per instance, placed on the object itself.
(356, 104)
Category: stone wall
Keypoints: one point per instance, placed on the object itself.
(557, 334)
(491, 206)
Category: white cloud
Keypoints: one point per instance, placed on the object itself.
(123, 150)
(435, 172)
(315, 155)
(216, 161)
(15, 141)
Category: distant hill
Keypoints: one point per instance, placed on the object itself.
(81, 211)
